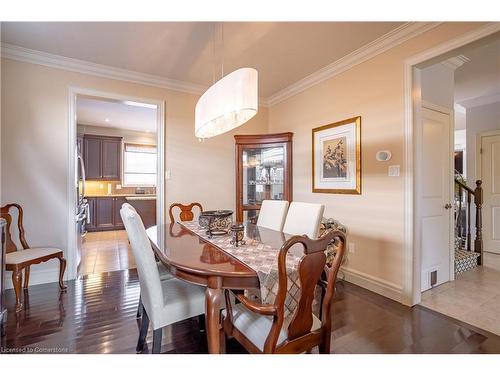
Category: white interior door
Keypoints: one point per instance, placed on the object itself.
(434, 196)
(490, 175)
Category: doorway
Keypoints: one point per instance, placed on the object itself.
(117, 142)
(454, 214)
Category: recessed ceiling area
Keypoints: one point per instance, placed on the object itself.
(127, 115)
(282, 52)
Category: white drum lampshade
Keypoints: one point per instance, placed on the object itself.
(227, 104)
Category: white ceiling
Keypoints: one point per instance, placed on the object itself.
(95, 111)
(282, 52)
(477, 82)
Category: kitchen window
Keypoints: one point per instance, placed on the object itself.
(139, 165)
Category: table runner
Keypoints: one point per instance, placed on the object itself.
(263, 259)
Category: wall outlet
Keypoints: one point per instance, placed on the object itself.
(351, 247)
(118, 187)
(393, 170)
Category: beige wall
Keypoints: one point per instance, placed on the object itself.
(35, 149)
(373, 90)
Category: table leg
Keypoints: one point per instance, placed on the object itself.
(213, 300)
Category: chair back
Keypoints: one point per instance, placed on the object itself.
(272, 214)
(147, 269)
(10, 245)
(186, 213)
(129, 206)
(311, 267)
(304, 218)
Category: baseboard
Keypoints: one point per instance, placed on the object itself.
(374, 284)
(36, 277)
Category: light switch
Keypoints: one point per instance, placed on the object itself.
(393, 170)
(168, 174)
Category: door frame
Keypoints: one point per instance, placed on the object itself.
(479, 161)
(411, 83)
(73, 92)
(479, 141)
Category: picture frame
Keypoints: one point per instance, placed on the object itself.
(336, 157)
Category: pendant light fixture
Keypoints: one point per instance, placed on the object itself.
(228, 103)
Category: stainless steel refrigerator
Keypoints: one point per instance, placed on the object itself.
(82, 208)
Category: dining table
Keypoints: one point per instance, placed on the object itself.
(194, 259)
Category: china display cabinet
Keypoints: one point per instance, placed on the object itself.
(263, 171)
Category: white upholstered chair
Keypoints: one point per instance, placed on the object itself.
(164, 272)
(165, 301)
(304, 218)
(272, 214)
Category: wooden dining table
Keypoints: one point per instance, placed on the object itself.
(191, 258)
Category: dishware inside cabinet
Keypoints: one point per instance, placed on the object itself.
(263, 172)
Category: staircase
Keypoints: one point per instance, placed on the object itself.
(468, 203)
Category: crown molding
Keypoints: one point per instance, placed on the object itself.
(385, 42)
(480, 100)
(456, 62)
(13, 52)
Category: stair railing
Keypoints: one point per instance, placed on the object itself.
(476, 195)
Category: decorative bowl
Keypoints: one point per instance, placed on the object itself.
(216, 222)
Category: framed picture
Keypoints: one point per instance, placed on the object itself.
(336, 161)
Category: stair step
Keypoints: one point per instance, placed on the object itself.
(465, 260)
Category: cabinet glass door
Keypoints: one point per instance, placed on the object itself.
(263, 174)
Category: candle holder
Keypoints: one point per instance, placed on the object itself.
(237, 234)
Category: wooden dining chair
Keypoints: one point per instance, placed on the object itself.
(186, 213)
(17, 260)
(260, 327)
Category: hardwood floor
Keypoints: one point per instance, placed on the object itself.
(97, 315)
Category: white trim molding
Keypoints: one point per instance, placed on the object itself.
(13, 52)
(411, 253)
(385, 42)
(480, 100)
(374, 284)
(456, 62)
(368, 51)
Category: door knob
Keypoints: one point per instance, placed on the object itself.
(448, 206)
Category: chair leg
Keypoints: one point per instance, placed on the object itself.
(201, 323)
(140, 308)
(157, 341)
(26, 277)
(143, 332)
(17, 281)
(324, 347)
(62, 268)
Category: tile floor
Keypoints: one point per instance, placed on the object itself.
(473, 297)
(105, 252)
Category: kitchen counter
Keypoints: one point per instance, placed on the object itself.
(140, 197)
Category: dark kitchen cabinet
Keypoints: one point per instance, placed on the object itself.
(102, 157)
(92, 157)
(105, 213)
(117, 217)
